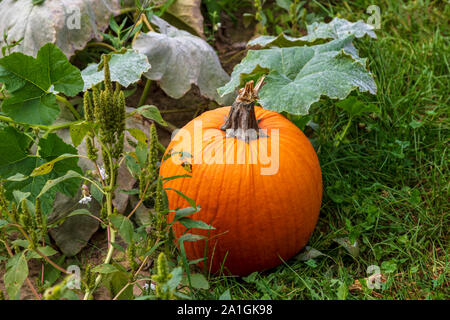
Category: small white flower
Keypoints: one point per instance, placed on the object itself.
(85, 200)
(152, 286)
(102, 172)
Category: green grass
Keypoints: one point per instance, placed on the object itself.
(387, 185)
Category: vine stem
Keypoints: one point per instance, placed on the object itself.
(144, 94)
(135, 275)
(140, 200)
(39, 252)
(40, 126)
(101, 44)
(342, 135)
(69, 106)
(112, 232)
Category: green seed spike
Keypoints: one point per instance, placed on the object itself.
(3, 203)
(88, 108)
(161, 278)
(131, 257)
(108, 84)
(13, 213)
(39, 218)
(91, 149)
(153, 152)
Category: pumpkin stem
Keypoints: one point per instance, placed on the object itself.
(241, 122)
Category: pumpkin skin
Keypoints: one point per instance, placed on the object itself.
(258, 218)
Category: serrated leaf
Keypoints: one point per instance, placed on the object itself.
(190, 237)
(76, 212)
(138, 134)
(118, 280)
(355, 107)
(184, 212)
(16, 273)
(53, 182)
(19, 196)
(309, 253)
(352, 248)
(198, 281)
(317, 32)
(47, 251)
(151, 112)
(195, 224)
(177, 275)
(105, 269)
(189, 200)
(48, 166)
(3, 223)
(339, 29)
(96, 193)
(77, 132)
(225, 295)
(132, 165)
(69, 24)
(32, 81)
(299, 76)
(126, 68)
(124, 225)
(180, 59)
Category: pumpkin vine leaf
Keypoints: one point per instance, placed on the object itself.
(318, 33)
(180, 59)
(33, 82)
(125, 68)
(17, 165)
(298, 76)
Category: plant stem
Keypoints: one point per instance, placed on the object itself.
(69, 106)
(241, 122)
(140, 200)
(144, 94)
(101, 44)
(40, 126)
(342, 135)
(112, 238)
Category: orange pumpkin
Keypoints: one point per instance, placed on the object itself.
(263, 212)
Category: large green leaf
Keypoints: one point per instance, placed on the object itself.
(180, 59)
(16, 273)
(69, 24)
(298, 76)
(16, 161)
(126, 68)
(32, 82)
(124, 225)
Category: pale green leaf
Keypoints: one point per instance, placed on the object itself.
(180, 59)
(125, 68)
(69, 24)
(151, 112)
(105, 269)
(318, 32)
(198, 281)
(299, 76)
(16, 273)
(124, 225)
